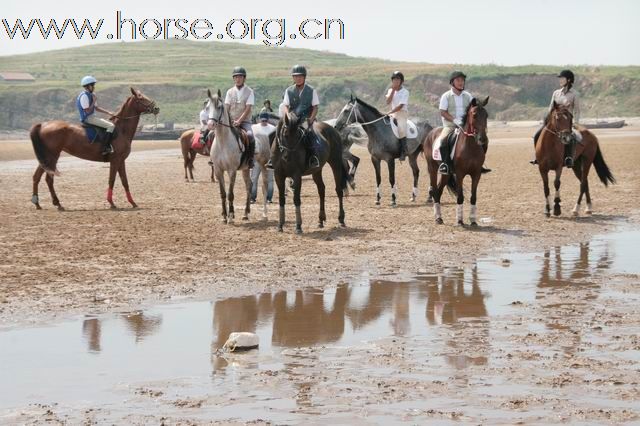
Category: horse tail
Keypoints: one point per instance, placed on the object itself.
(345, 175)
(602, 169)
(41, 151)
(452, 184)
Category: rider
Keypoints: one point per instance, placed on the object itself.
(87, 106)
(204, 128)
(569, 98)
(303, 100)
(453, 106)
(398, 97)
(239, 101)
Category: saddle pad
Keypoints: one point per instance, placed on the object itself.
(195, 141)
(412, 130)
(436, 147)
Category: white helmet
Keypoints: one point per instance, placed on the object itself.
(88, 79)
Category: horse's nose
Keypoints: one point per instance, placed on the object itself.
(156, 110)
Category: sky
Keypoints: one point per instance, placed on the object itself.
(502, 32)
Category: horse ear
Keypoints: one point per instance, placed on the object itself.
(486, 101)
(286, 119)
(219, 93)
(351, 97)
(133, 91)
(474, 102)
(208, 93)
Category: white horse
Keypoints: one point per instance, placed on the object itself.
(262, 155)
(226, 155)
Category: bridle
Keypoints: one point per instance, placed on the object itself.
(353, 111)
(562, 134)
(471, 130)
(150, 106)
(218, 122)
(302, 132)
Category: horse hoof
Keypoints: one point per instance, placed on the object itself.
(556, 211)
(343, 225)
(377, 202)
(439, 221)
(460, 223)
(474, 224)
(280, 229)
(588, 212)
(38, 207)
(113, 207)
(575, 213)
(134, 206)
(393, 204)
(320, 225)
(245, 217)
(60, 208)
(298, 231)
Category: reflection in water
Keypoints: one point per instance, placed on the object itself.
(92, 331)
(140, 325)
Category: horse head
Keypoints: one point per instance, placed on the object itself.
(142, 104)
(347, 114)
(475, 120)
(289, 134)
(216, 106)
(561, 121)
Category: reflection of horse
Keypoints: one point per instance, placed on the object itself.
(189, 154)
(142, 325)
(289, 159)
(51, 138)
(383, 145)
(468, 157)
(550, 156)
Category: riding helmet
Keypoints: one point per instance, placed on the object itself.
(264, 116)
(455, 75)
(299, 70)
(239, 71)
(87, 80)
(397, 74)
(568, 74)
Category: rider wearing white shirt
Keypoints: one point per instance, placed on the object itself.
(398, 97)
(239, 101)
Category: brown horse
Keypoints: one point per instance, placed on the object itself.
(550, 156)
(468, 159)
(189, 154)
(50, 138)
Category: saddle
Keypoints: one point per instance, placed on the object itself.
(243, 143)
(96, 133)
(447, 146)
(412, 129)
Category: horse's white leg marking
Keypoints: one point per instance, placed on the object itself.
(589, 209)
(436, 210)
(459, 212)
(576, 210)
(473, 214)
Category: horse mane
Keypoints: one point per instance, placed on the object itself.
(466, 113)
(118, 114)
(363, 103)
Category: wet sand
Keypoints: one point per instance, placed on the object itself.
(90, 260)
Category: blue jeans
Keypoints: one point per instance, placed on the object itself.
(255, 174)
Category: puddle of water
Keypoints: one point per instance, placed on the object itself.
(99, 360)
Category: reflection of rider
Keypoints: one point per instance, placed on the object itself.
(238, 101)
(303, 100)
(453, 105)
(569, 98)
(398, 97)
(87, 105)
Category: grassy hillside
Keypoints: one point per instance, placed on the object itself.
(176, 74)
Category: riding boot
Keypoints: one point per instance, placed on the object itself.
(106, 146)
(568, 155)
(403, 148)
(314, 161)
(444, 168)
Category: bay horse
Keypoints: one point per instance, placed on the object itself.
(383, 145)
(550, 156)
(50, 138)
(468, 158)
(289, 159)
(227, 156)
(189, 154)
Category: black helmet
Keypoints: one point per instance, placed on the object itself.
(455, 75)
(397, 74)
(568, 74)
(239, 71)
(264, 115)
(299, 70)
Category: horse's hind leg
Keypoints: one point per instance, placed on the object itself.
(473, 213)
(54, 197)
(437, 193)
(376, 167)
(247, 184)
(122, 171)
(36, 180)
(392, 182)
(547, 192)
(192, 158)
(413, 162)
(322, 217)
(585, 181)
(433, 181)
(231, 196)
(223, 195)
(460, 201)
(113, 169)
(297, 188)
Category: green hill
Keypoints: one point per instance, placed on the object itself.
(176, 74)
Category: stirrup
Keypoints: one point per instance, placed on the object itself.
(534, 161)
(444, 169)
(269, 165)
(314, 162)
(107, 149)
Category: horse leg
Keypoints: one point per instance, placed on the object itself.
(545, 185)
(460, 200)
(36, 181)
(437, 193)
(54, 197)
(223, 195)
(192, 159)
(355, 160)
(413, 162)
(433, 181)
(247, 184)
(473, 213)
(113, 169)
(122, 171)
(392, 181)
(213, 174)
(322, 217)
(185, 157)
(556, 200)
(586, 167)
(282, 188)
(231, 196)
(297, 187)
(376, 166)
(337, 177)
